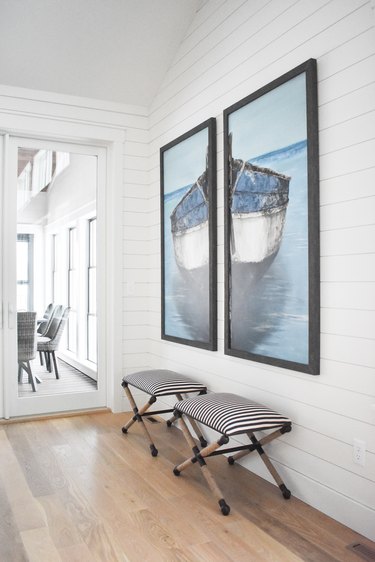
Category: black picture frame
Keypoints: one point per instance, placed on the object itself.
(188, 238)
(271, 223)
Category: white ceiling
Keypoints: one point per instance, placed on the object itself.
(114, 50)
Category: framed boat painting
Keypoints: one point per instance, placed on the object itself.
(271, 190)
(188, 237)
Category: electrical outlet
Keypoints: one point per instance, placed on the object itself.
(359, 452)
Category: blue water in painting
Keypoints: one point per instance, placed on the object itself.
(186, 302)
(269, 314)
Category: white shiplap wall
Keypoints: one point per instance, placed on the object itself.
(232, 48)
(136, 251)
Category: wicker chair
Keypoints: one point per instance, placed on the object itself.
(43, 323)
(26, 332)
(49, 343)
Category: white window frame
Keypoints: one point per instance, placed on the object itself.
(90, 267)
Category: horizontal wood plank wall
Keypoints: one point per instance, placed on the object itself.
(233, 48)
(137, 261)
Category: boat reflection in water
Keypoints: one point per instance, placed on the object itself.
(259, 199)
(268, 264)
(258, 203)
(190, 234)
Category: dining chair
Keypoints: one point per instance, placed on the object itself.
(26, 337)
(51, 329)
(43, 323)
(49, 343)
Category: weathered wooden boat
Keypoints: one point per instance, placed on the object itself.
(258, 202)
(189, 225)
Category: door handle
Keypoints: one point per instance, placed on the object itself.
(11, 316)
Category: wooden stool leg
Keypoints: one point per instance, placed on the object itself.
(272, 470)
(198, 433)
(193, 423)
(133, 405)
(286, 493)
(199, 457)
(173, 418)
(138, 417)
(191, 443)
(257, 445)
(224, 507)
(266, 439)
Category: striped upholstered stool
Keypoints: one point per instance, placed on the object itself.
(229, 415)
(159, 382)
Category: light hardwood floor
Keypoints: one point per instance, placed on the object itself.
(77, 489)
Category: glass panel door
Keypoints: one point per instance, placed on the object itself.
(54, 193)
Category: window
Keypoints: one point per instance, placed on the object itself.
(42, 170)
(56, 280)
(73, 274)
(24, 186)
(91, 286)
(72, 289)
(25, 299)
(62, 161)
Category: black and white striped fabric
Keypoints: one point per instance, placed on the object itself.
(162, 382)
(230, 414)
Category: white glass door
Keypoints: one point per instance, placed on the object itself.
(54, 232)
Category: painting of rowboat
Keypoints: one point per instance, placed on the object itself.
(188, 237)
(272, 224)
(189, 226)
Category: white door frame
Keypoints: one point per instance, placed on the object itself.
(110, 141)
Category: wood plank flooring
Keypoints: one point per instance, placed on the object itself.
(77, 489)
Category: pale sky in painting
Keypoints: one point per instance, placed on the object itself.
(185, 162)
(273, 121)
